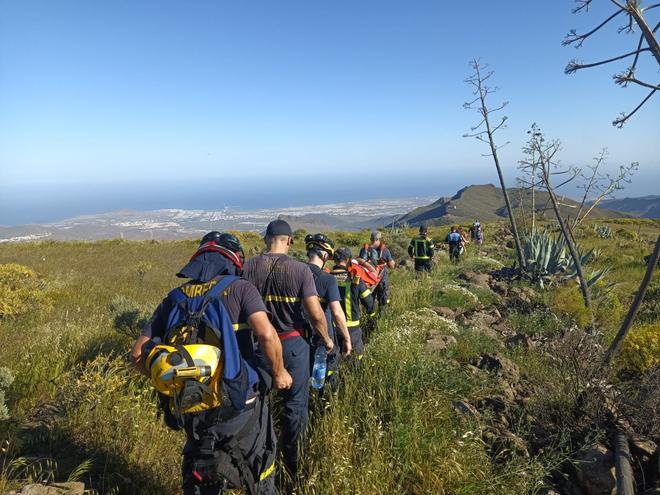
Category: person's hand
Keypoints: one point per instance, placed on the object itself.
(329, 345)
(138, 354)
(348, 347)
(283, 380)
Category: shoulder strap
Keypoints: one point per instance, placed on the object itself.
(220, 287)
(269, 278)
(178, 295)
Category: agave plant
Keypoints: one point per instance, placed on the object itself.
(602, 231)
(548, 261)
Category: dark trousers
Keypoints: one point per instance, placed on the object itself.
(382, 291)
(357, 343)
(423, 265)
(296, 400)
(258, 446)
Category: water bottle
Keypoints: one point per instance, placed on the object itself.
(320, 366)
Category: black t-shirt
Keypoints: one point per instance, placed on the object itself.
(326, 286)
(284, 283)
(241, 300)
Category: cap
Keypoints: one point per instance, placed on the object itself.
(376, 235)
(279, 227)
(343, 253)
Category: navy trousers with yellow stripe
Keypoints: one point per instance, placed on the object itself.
(259, 446)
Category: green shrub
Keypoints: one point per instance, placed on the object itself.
(128, 317)
(456, 297)
(21, 291)
(6, 379)
(142, 268)
(650, 308)
(536, 323)
(627, 235)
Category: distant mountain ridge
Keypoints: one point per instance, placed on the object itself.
(644, 206)
(486, 203)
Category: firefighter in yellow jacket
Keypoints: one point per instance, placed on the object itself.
(421, 249)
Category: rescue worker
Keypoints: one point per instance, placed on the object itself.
(353, 292)
(288, 289)
(378, 254)
(476, 233)
(455, 242)
(422, 249)
(247, 436)
(319, 249)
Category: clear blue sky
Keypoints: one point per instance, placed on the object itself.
(111, 96)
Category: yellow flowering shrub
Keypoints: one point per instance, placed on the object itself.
(641, 348)
(20, 290)
(567, 301)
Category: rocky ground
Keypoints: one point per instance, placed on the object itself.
(591, 471)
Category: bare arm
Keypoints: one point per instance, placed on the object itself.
(340, 322)
(136, 354)
(366, 264)
(391, 264)
(271, 346)
(318, 321)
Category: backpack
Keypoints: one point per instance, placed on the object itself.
(453, 238)
(199, 367)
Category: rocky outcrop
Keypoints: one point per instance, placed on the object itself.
(595, 471)
(438, 342)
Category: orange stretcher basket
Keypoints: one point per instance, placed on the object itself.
(370, 278)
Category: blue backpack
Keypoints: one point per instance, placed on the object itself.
(453, 238)
(201, 318)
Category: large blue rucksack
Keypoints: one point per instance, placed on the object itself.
(200, 317)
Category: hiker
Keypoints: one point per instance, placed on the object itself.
(464, 236)
(374, 255)
(421, 249)
(455, 242)
(476, 233)
(353, 292)
(288, 289)
(319, 249)
(209, 323)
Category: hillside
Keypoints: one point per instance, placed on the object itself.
(486, 203)
(645, 206)
(470, 382)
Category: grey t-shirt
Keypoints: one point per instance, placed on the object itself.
(283, 283)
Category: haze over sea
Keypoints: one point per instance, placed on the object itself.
(50, 205)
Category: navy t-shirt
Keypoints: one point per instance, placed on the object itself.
(326, 286)
(241, 300)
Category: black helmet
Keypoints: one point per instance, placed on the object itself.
(343, 253)
(213, 236)
(224, 243)
(230, 241)
(319, 242)
(423, 229)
